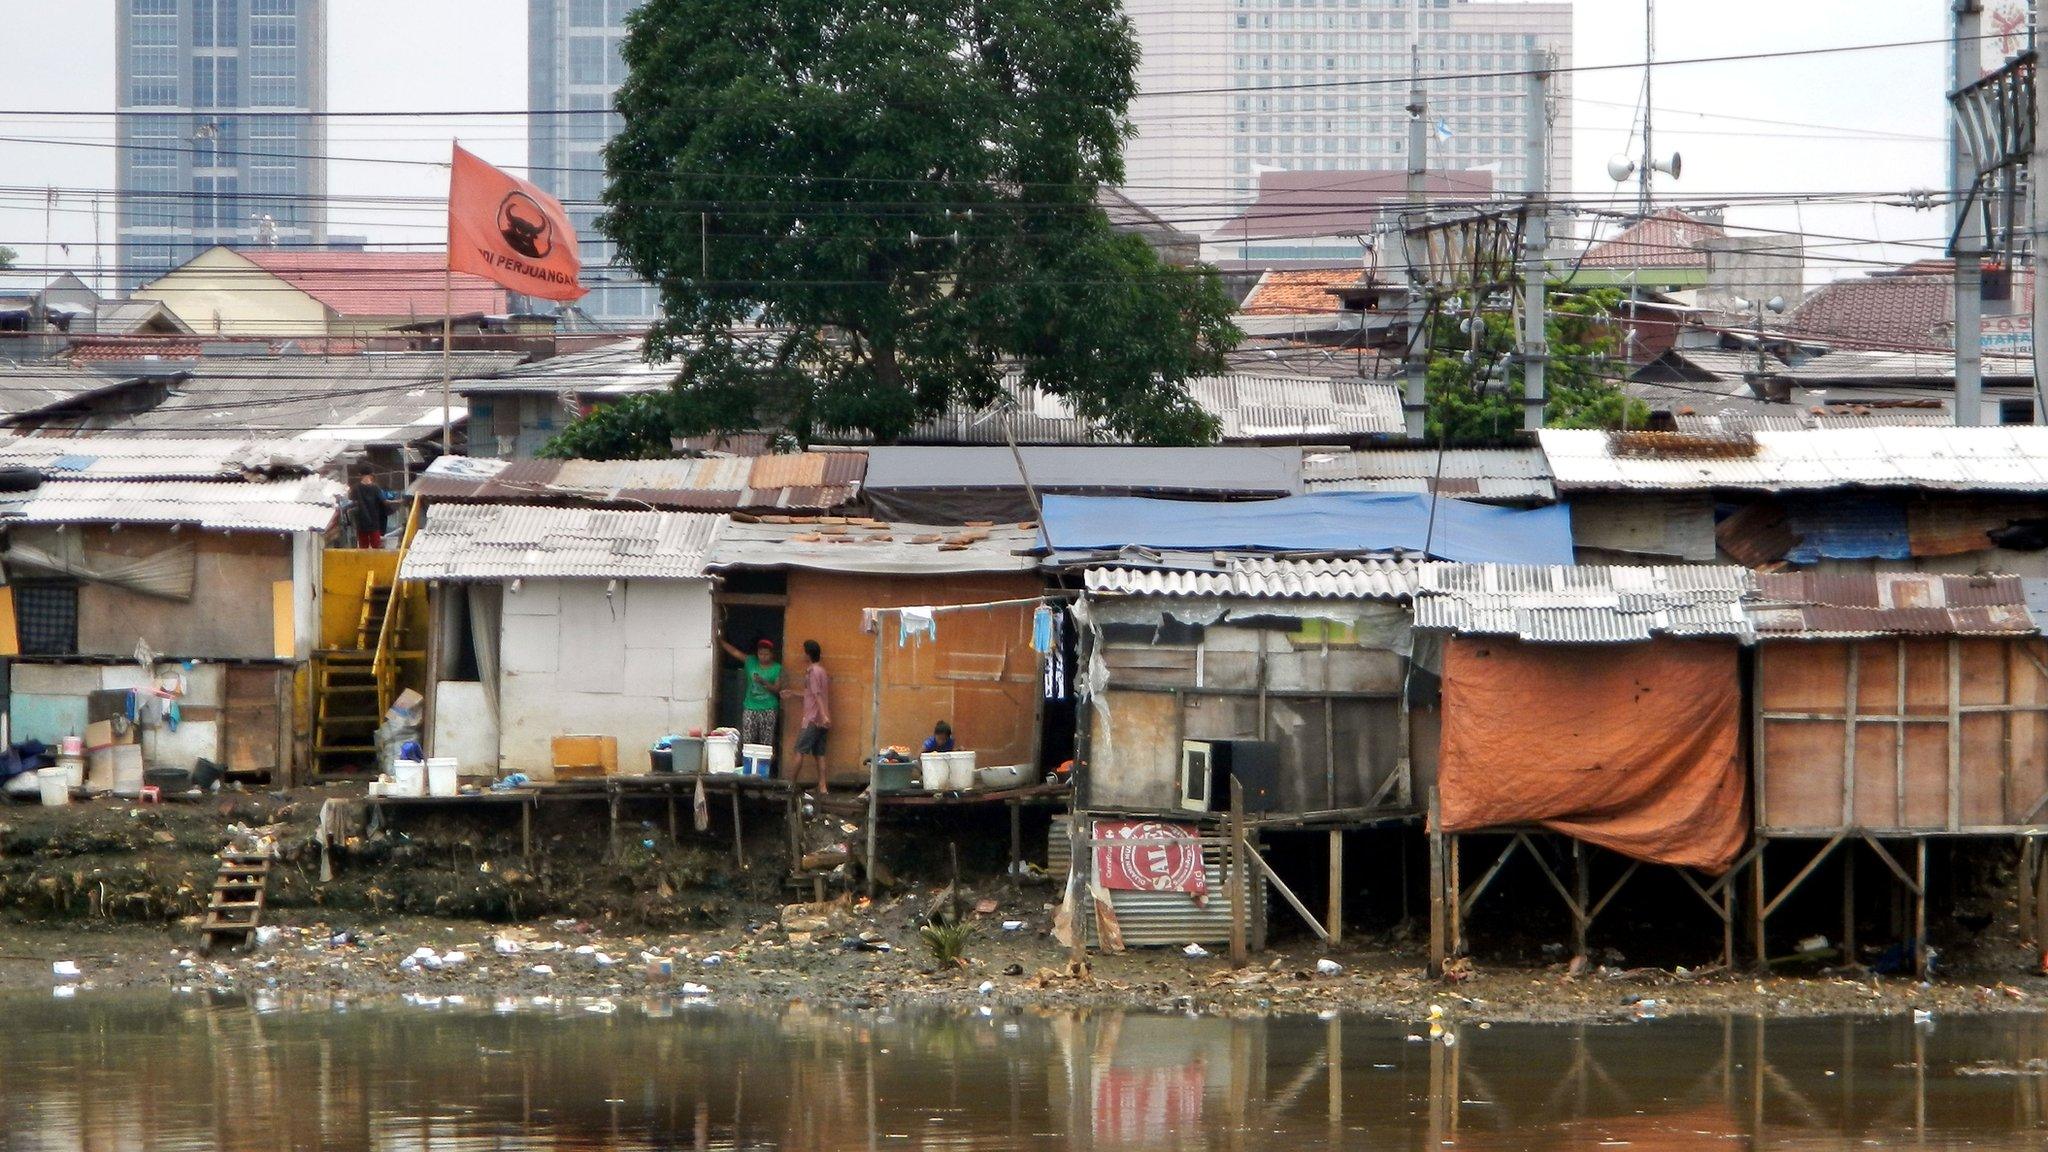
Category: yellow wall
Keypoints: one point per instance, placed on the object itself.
(219, 292)
(341, 590)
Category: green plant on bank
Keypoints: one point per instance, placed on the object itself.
(947, 942)
(861, 216)
(1471, 401)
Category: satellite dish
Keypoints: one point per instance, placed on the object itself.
(1669, 167)
(1620, 168)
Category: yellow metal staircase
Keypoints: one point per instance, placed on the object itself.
(353, 687)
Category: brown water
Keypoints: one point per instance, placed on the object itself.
(104, 1073)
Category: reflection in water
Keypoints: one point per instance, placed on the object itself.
(97, 1073)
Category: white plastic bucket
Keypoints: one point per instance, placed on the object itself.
(757, 759)
(721, 755)
(74, 769)
(50, 781)
(935, 771)
(963, 770)
(409, 778)
(442, 773)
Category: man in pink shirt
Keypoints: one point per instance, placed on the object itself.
(817, 718)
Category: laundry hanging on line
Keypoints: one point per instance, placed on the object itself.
(916, 623)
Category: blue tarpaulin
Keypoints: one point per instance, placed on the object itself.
(1340, 522)
(1848, 527)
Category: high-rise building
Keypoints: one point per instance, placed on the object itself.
(220, 127)
(1233, 88)
(573, 70)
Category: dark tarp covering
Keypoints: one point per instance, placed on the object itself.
(1336, 522)
(1635, 748)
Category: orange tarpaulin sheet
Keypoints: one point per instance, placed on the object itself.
(1635, 748)
(508, 231)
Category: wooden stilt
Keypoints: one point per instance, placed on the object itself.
(1849, 904)
(2039, 897)
(1016, 839)
(1438, 913)
(1582, 890)
(739, 848)
(1920, 908)
(1454, 884)
(1238, 912)
(1757, 900)
(1333, 921)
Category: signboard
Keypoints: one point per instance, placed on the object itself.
(2007, 335)
(1149, 856)
(2005, 32)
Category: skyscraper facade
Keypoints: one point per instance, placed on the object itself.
(1233, 88)
(219, 123)
(573, 70)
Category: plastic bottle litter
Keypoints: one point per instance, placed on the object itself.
(1328, 967)
(1194, 951)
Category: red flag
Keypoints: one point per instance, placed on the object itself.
(506, 230)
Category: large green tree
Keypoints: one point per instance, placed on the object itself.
(1475, 384)
(902, 195)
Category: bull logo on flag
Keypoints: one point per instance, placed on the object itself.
(525, 226)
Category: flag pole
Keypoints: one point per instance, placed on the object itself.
(447, 338)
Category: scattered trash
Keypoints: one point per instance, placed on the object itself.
(64, 991)
(987, 986)
(1922, 1016)
(1013, 925)
(65, 969)
(712, 961)
(267, 934)
(454, 959)
(1195, 952)
(1329, 967)
(1646, 1009)
(542, 970)
(505, 946)
(1812, 945)
(602, 960)
(694, 990)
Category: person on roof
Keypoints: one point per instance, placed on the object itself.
(368, 508)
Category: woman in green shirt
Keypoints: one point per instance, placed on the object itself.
(763, 702)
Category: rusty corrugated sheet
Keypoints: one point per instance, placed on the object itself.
(1756, 534)
(1156, 919)
(1815, 605)
(1955, 527)
(1586, 604)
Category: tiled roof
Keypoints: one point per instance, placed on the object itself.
(379, 283)
(797, 481)
(1880, 367)
(1304, 203)
(1264, 577)
(1885, 311)
(305, 504)
(1295, 292)
(513, 541)
(1816, 605)
(1668, 239)
(1584, 604)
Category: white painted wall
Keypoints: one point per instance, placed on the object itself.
(636, 664)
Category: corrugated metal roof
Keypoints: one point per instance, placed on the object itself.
(304, 504)
(853, 544)
(1236, 470)
(1816, 605)
(112, 457)
(1251, 406)
(800, 482)
(1503, 474)
(509, 541)
(1584, 604)
(1956, 459)
(1265, 578)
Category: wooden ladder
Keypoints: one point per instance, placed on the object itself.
(239, 890)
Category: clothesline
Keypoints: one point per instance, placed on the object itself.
(1049, 597)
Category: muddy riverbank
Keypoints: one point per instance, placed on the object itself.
(451, 907)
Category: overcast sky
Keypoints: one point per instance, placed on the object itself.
(1862, 122)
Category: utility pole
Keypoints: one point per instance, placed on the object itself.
(1536, 242)
(1415, 389)
(2037, 234)
(1965, 65)
(1648, 169)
